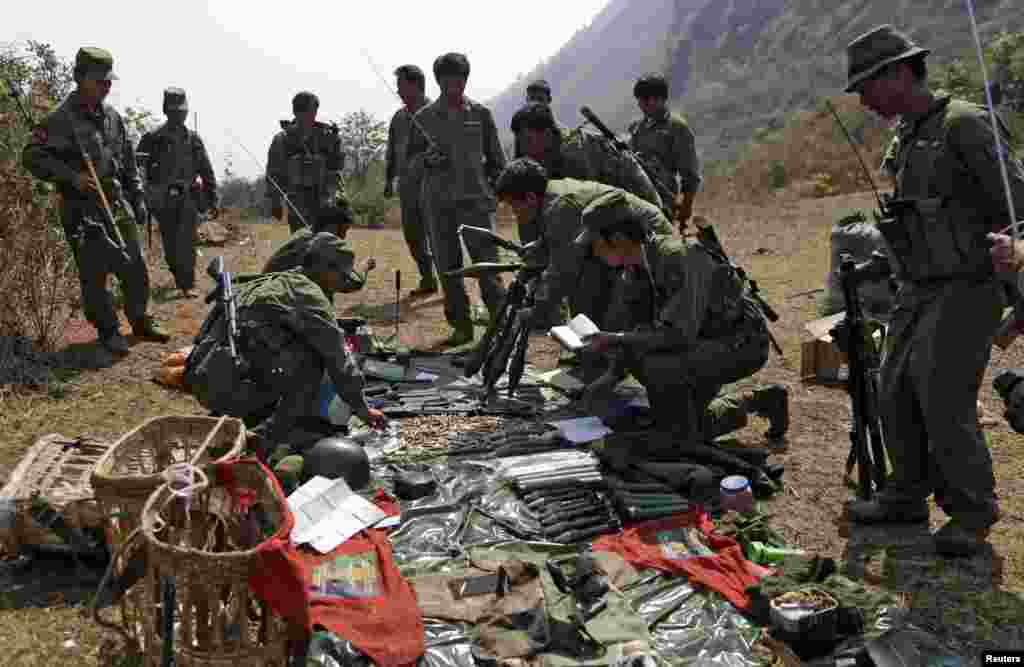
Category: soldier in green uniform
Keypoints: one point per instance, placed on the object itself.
(691, 329)
(555, 211)
(53, 155)
(175, 158)
(288, 335)
(665, 143)
(462, 159)
(408, 169)
(949, 194)
(577, 154)
(305, 160)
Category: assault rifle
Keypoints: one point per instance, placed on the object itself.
(507, 336)
(853, 337)
(224, 295)
(624, 148)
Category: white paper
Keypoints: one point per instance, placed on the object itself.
(572, 334)
(327, 513)
(582, 429)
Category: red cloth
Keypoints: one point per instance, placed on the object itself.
(365, 600)
(687, 544)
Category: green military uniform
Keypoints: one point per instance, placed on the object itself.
(408, 169)
(946, 312)
(571, 272)
(288, 335)
(457, 191)
(666, 145)
(694, 331)
(53, 155)
(175, 157)
(307, 166)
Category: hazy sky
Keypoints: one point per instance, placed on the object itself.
(241, 62)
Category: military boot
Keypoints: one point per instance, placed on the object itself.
(149, 329)
(772, 403)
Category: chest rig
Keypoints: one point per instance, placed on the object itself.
(307, 159)
(933, 227)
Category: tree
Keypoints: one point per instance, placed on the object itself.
(363, 138)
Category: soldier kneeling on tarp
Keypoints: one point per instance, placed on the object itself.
(287, 336)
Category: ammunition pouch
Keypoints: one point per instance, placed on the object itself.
(932, 240)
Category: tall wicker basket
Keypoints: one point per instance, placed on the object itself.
(204, 550)
(133, 468)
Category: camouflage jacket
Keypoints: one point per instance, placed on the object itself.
(666, 145)
(682, 294)
(290, 309)
(586, 156)
(52, 155)
(398, 158)
(469, 156)
(567, 204)
(305, 165)
(175, 157)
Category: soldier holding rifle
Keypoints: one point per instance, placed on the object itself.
(83, 147)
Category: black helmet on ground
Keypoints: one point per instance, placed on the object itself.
(337, 456)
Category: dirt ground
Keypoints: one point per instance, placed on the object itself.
(974, 604)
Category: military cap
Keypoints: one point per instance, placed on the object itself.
(175, 100)
(329, 252)
(874, 50)
(651, 85)
(599, 214)
(534, 116)
(95, 63)
(305, 101)
(451, 63)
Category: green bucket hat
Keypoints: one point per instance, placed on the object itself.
(876, 49)
(329, 252)
(602, 212)
(175, 100)
(95, 63)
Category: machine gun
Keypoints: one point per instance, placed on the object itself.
(507, 336)
(853, 337)
(624, 148)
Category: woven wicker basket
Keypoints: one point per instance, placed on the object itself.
(134, 467)
(208, 554)
(56, 469)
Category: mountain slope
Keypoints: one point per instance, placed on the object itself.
(736, 65)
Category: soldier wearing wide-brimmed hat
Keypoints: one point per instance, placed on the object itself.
(948, 182)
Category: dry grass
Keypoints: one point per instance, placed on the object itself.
(784, 245)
